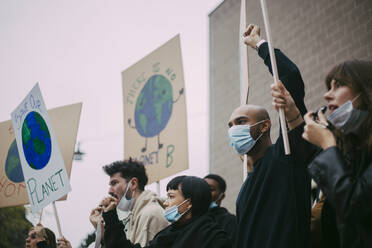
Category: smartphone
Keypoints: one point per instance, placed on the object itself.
(322, 108)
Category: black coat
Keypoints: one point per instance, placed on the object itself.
(226, 220)
(347, 185)
(201, 232)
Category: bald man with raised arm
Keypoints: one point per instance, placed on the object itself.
(273, 205)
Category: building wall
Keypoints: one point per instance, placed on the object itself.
(316, 35)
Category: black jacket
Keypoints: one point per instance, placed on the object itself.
(226, 220)
(201, 232)
(347, 185)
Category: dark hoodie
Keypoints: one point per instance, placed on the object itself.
(200, 231)
(226, 220)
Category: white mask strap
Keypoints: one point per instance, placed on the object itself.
(356, 97)
(128, 186)
(258, 122)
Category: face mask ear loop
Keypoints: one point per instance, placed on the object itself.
(356, 97)
(126, 191)
(352, 101)
(219, 197)
(260, 130)
(183, 202)
(259, 122)
(181, 205)
(259, 136)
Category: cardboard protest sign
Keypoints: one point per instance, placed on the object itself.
(65, 121)
(155, 122)
(43, 168)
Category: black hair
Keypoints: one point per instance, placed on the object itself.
(194, 188)
(175, 183)
(128, 169)
(220, 181)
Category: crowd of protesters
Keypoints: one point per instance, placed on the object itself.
(274, 207)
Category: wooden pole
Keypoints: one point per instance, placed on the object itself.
(158, 188)
(41, 215)
(57, 219)
(275, 75)
(244, 79)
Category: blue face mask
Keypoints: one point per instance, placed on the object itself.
(213, 204)
(241, 139)
(347, 118)
(172, 214)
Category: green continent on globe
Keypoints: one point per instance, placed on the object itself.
(39, 146)
(143, 122)
(26, 133)
(13, 162)
(141, 101)
(162, 94)
(42, 125)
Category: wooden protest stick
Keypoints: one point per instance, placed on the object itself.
(275, 75)
(57, 219)
(97, 243)
(41, 214)
(158, 188)
(244, 80)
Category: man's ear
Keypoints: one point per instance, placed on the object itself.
(266, 126)
(134, 183)
(190, 205)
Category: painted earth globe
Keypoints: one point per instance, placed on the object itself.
(37, 145)
(154, 106)
(13, 167)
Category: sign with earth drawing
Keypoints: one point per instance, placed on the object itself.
(42, 163)
(155, 122)
(65, 122)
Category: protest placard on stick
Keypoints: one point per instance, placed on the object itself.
(155, 121)
(42, 163)
(65, 122)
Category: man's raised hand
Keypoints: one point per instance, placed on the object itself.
(252, 36)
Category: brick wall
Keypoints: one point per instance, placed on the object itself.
(316, 35)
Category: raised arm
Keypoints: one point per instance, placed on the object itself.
(288, 72)
(288, 94)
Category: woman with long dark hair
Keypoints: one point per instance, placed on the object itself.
(187, 205)
(343, 170)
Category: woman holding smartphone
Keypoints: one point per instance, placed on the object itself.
(343, 170)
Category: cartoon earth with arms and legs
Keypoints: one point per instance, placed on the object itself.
(153, 108)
